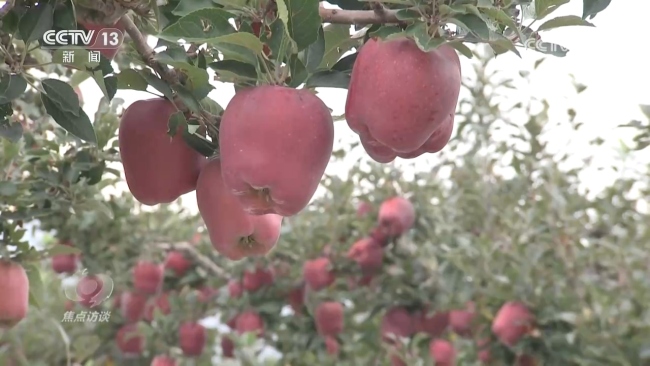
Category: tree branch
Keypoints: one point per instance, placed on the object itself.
(203, 261)
(361, 17)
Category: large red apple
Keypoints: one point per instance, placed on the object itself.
(133, 305)
(178, 263)
(512, 322)
(442, 352)
(233, 232)
(148, 277)
(157, 167)
(129, 340)
(275, 145)
(163, 360)
(257, 278)
(318, 274)
(329, 318)
(249, 321)
(401, 121)
(396, 216)
(192, 337)
(368, 254)
(14, 287)
(104, 37)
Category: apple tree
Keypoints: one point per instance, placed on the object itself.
(495, 254)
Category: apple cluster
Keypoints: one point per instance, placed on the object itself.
(275, 142)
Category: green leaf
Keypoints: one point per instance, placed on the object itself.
(8, 188)
(200, 143)
(63, 95)
(546, 7)
(130, 79)
(302, 20)
(79, 125)
(501, 44)
(188, 98)
(646, 110)
(328, 79)
(501, 17)
(237, 53)
(11, 87)
(211, 106)
(36, 21)
(424, 41)
(59, 249)
(313, 55)
(472, 24)
(79, 77)
(175, 121)
(98, 206)
(564, 21)
(234, 71)
(346, 63)
(243, 39)
(10, 131)
(592, 7)
(185, 7)
(460, 47)
(200, 26)
(386, 31)
(198, 80)
(298, 71)
(64, 16)
(408, 14)
(157, 83)
(36, 289)
(337, 42)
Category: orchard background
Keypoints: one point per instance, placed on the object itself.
(507, 212)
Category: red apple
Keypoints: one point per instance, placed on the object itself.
(297, 299)
(233, 233)
(163, 360)
(69, 305)
(512, 322)
(133, 306)
(318, 274)
(256, 279)
(275, 144)
(460, 321)
(484, 350)
(396, 216)
(227, 347)
(177, 262)
(364, 209)
(249, 321)
(397, 323)
(205, 293)
(257, 28)
(104, 37)
(64, 263)
(432, 324)
(192, 337)
(235, 289)
(157, 167)
(14, 287)
(368, 254)
(394, 122)
(332, 346)
(129, 340)
(329, 318)
(442, 352)
(148, 277)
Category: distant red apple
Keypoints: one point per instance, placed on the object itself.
(460, 321)
(257, 278)
(484, 350)
(235, 289)
(148, 277)
(397, 323)
(396, 216)
(332, 346)
(249, 321)
(129, 340)
(64, 263)
(227, 347)
(512, 322)
(192, 337)
(329, 318)
(442, 352)
(432, 324)
(318, 274)
(133, 306)
(178, 263)
(163, 360)
(364, 209)
(14, 287)
(160, 303)
(297, 299)
(368, 254)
